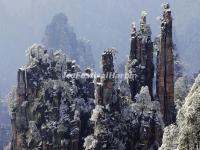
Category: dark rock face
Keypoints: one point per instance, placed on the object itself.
(59, 35)
(51, 107)
(105, 85)
(165, 68)
(140, 64)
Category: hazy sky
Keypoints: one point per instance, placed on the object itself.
(106, 23)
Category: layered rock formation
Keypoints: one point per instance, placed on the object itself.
(60, 35)
(52, 108)
(140, 65)
(165, 68)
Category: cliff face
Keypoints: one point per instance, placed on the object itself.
(140, 64)
(60, 35)
(105, 85)
(52, 108)
(60, 107)
(165, 68)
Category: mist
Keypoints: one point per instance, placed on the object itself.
(106, 23)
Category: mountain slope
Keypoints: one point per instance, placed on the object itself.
(60, 35)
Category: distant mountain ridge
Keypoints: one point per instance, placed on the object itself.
(60, 35)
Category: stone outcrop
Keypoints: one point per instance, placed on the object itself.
(140, 64)
(52, 108)
(120, 123)
(105, 84)
(58, 106)
(165, 68)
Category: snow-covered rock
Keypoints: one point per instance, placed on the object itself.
(185, 135)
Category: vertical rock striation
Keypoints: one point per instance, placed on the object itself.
(165, 68)
(60, 107)
(105, 87)
(120, 123)
(140, 64)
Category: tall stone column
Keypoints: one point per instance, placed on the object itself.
(108, 80)
(140, 64)
(133, 51)
(165, 70)
(105, 85)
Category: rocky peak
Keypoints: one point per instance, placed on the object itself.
(52, 107)
(58, 106)
(140, 64)
(60, 35)
(165, 68)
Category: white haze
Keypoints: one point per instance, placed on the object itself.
(106, 23)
